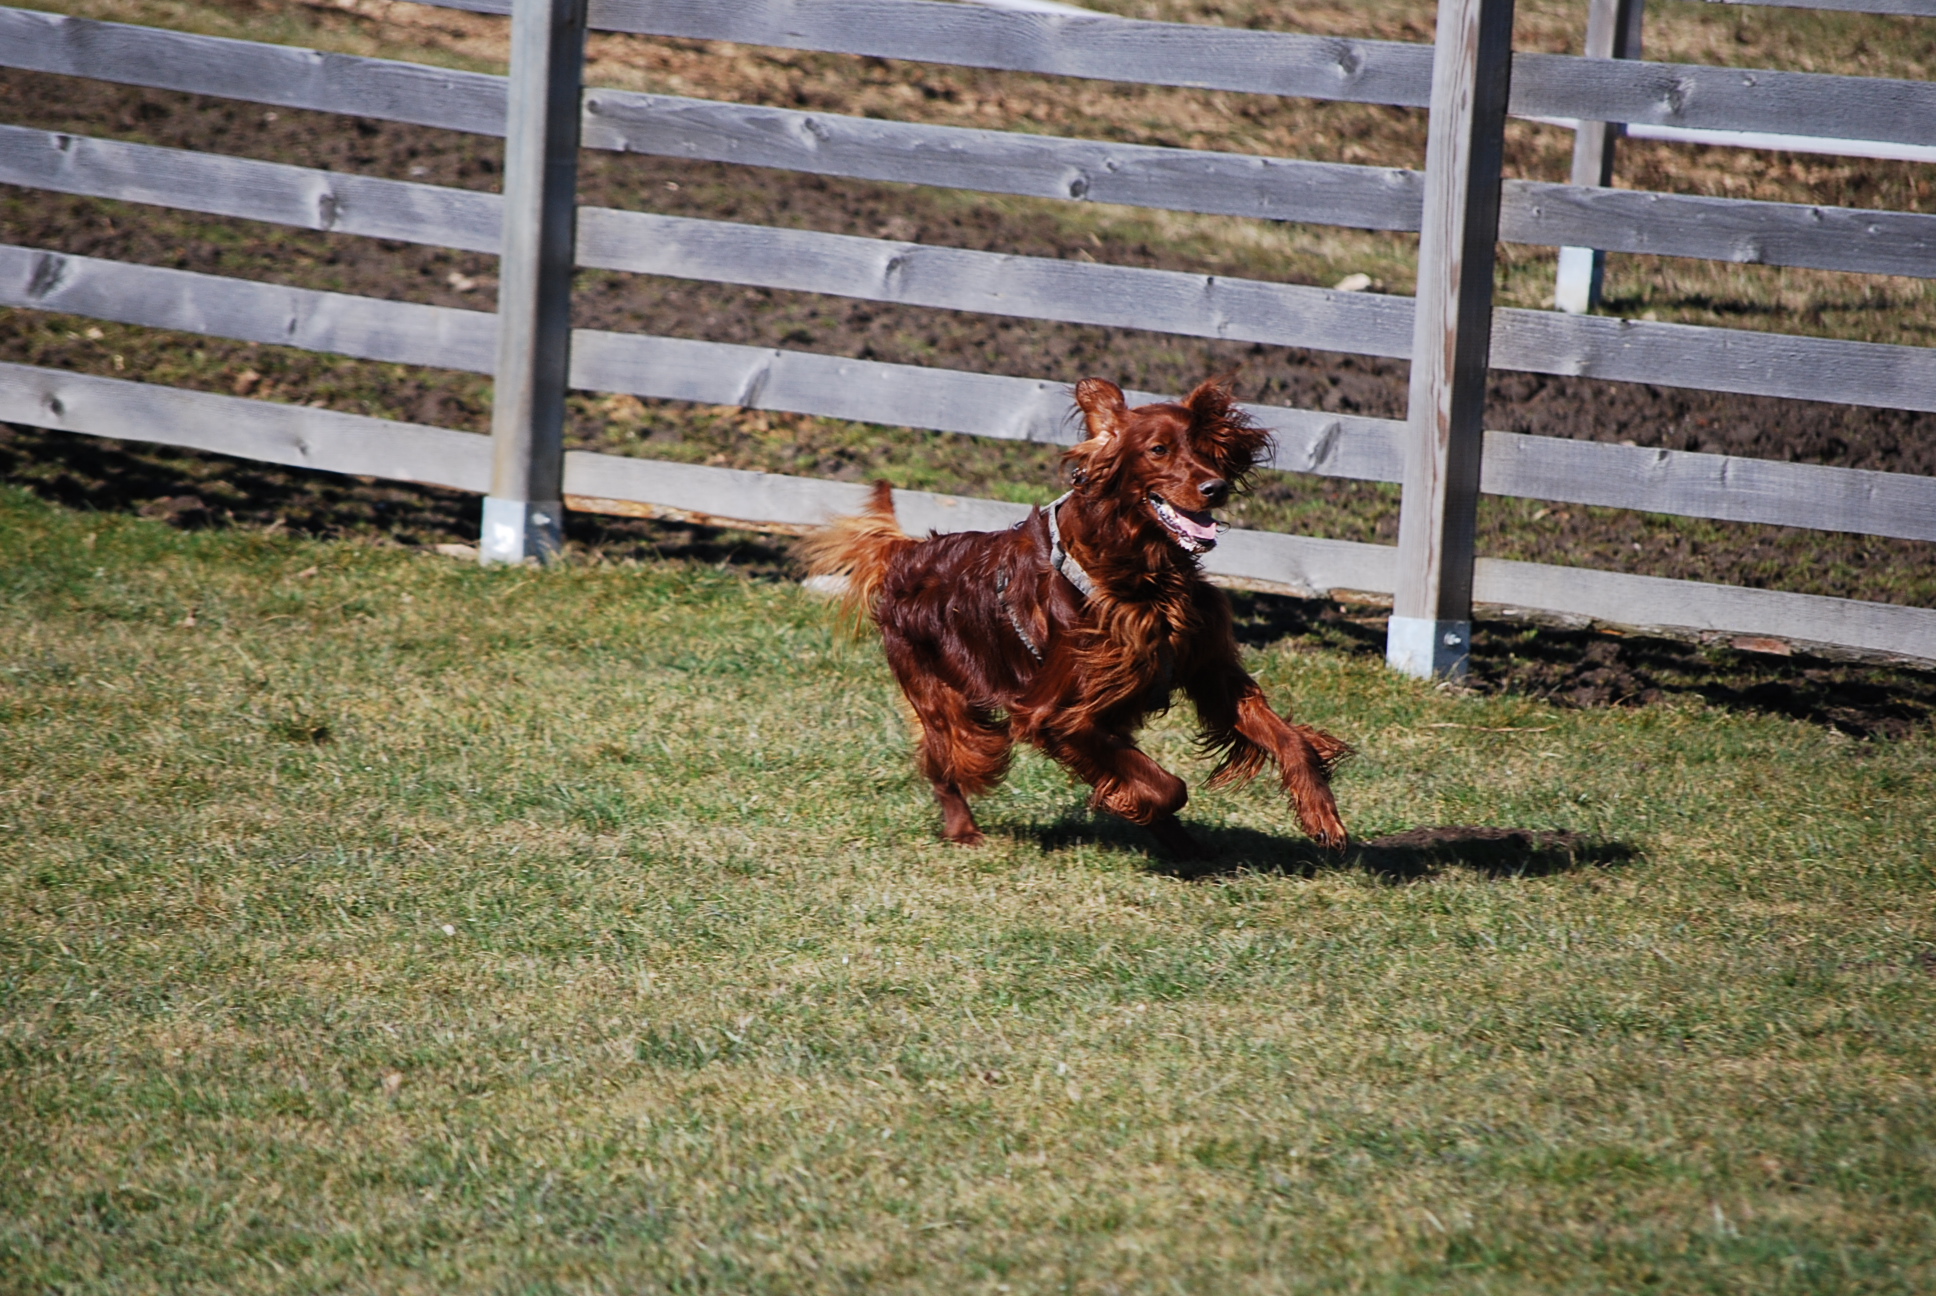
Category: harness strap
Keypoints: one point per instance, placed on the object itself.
(1059, 556)
(1021, 631)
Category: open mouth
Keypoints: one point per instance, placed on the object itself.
(1196, 532)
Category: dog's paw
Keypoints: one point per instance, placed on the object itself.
(1325, 828)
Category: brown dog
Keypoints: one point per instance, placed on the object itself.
(1068, 630)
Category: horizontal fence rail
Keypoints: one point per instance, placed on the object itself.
(310, 438)
(1908, 8)
(281, 76)
(1848, 239)
(1580, 472)
(1275, 63)
(993, 161)
(1284, 63)
(1210, 306)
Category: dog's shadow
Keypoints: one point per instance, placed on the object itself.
(1410, 856)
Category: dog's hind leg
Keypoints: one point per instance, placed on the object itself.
(962, 752)
(1128, 783)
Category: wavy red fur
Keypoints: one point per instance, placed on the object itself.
(992, 645)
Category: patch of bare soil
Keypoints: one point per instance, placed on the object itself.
(191, 491)
(1594, 668)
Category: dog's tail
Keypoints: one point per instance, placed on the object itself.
(851, 554)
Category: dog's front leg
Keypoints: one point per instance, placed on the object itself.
(1238, 720)
(1304, 759)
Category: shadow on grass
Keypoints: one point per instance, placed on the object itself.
(1410, 856)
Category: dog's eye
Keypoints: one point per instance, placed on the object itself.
(1158, 451)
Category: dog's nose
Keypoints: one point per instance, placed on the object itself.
(1215, 490)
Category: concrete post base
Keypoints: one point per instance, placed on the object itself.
(1577, 288)
(1427, 649)
(515, 530)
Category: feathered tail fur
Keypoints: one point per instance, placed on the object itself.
(858, 549)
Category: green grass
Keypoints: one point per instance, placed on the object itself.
(372, 922)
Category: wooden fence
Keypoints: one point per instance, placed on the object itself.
(1663, 481)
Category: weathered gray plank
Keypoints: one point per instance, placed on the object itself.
(942, 400)
(1877, 242)
(1723, 487)
(674, 368)
(1919, 8)
(991, 405)
(1722, 229)
(1912, 8)
(155, 297)
(1549, 468)
(916, 274)
(266, 191)
(321, 439)
(1712, 359)
(1100, 46)
(1307, 565)
(1549, 85)
(295, 435)
(992, 161)
(1830, 238)
(285, 76)
(715, 373)
(1652, 602)
(1858, 373)
(1095, 46)
(728, 494)
(1722, 98)
(1310, 566)
(909, 273)
(1544, 85)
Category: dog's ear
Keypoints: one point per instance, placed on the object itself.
(1103, 408)
(1221, 427)
(1212, 400)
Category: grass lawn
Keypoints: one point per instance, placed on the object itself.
(371, 922)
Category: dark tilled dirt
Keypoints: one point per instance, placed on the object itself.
(1590, 669)
(192, 491)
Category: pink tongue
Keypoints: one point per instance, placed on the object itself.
(1204, 530)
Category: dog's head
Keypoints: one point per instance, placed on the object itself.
(1174, 461)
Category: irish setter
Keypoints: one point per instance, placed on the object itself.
(1068, 630)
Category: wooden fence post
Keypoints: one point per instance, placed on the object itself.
(1612, 31)
(1431, 624)
(524, 513)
